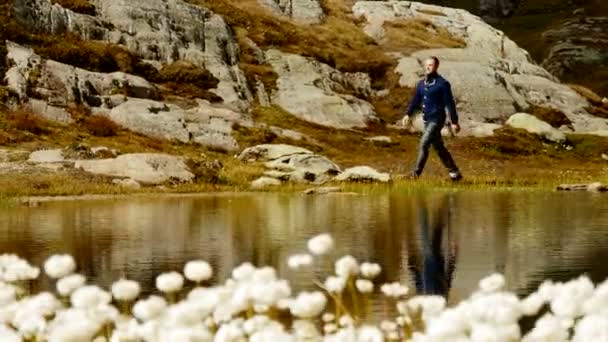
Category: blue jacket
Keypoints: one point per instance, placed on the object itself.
(435, 98)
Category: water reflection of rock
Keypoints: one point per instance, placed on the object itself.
(526, 235)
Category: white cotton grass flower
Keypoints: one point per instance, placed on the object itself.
(255, 323)
(299, 261)
(9, 335)
(364, 286)
(14, 269)
(328, 317)
(198, 271)
(388, 326)
(368, 333)
(591, 328)
(243, 272)
(347, 266)
(305, 330)
(335, 284)
(500, 308)
(30, 325)
(308, 304)
(88, 297)
(59, 265)
(346, 321)
(532, 304)
(431, 306)
(598, 302)
(170, 282)
(570, 297)
(320, 244)
(150, 308)
(82, 329)
(274, 333)
(230, 332)
(44, 304)
(68, 284)
(482, 331)
(125, 290)
(370, 270)
(548, 328)
(492, 283)
(8, 294)
(394, 290)
(330, 328)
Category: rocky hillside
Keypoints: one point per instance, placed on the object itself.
(569, 38)
(226, 74)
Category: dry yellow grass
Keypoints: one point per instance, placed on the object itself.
(411, 35)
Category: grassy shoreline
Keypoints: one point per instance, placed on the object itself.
(33, 198)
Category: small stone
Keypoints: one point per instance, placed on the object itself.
(363, 174)
(46, 156)
(596, 187)
(578, 11)
(127, 183)
(604, 156)
(322, 190)
(264, 182)
(381, 140)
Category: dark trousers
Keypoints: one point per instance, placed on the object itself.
(432, 137)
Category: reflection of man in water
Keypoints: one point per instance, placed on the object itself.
(433, 270)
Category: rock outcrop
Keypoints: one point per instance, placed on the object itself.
(145, 168)
(206, 124)
(291, 163)
(317, 93)
(577, 43)
(157, 30)
(536, 126)
(268, 152)
(59, 85)
(492, 78)
(302, 11)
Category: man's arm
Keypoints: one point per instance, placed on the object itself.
(448, 100)
(415, 103)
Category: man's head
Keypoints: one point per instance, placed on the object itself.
(430, 65)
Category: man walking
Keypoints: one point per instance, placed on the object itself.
(435, 95)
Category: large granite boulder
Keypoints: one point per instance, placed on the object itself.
(534, 125)
(157, 30)
(59, 85)
(315, 92)
(268, 152)
(291, 163)
(145, 168)
(206, 124)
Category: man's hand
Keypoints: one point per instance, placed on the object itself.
(406, 122)
(456, 128)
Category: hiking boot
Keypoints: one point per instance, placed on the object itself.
(455, 176)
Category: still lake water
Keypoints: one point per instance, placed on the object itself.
(436, 243)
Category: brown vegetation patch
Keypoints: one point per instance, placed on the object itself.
(336, 42)
(411, 35)
(506, 143)
(100, 126)
(28, 121)
(551, 116)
